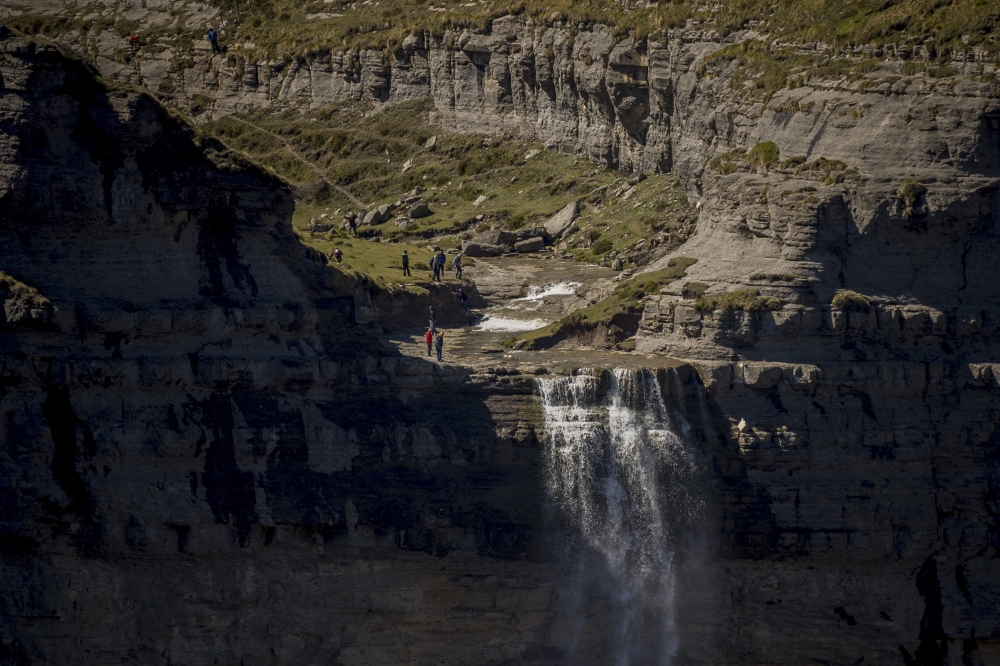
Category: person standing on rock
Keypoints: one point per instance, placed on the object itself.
(434, 267)
(352, 222)
(335, 253)
(213, 38)
(439, 343)
(406, 264)
(429, 339)
(456, 263)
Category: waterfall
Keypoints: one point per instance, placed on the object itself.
(620, 474)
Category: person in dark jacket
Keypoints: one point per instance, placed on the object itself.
(406, 263)
(439, 343)
(213, 38)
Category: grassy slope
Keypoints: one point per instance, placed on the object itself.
(365, 155)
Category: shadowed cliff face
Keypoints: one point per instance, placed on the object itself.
(197, 429)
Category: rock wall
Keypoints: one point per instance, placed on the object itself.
(855, 451)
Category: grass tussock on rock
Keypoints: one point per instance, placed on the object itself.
(851, 301)
(619, 313)
(12, 288)
(747, 300)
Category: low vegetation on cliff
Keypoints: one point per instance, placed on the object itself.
(852, 301)
(747, 300)
(341, 159)
(12, 288)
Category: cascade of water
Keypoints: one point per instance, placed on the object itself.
(619, 474)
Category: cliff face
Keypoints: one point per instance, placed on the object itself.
(854, 453)
(207, 457)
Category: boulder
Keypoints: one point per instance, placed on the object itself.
(531, 232)
(530, 245)
(410, 199)
(431, 143)
(372, 218)
(385, 210)
(482, 250)
(559, 224)
(407, 166)
(419, 210)
(531, 153)
(480, 200)
(497, 237)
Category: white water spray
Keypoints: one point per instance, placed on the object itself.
(620, 473)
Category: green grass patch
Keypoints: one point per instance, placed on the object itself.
(850, 301)
(910, 191)
(12, 288)
(747, 300)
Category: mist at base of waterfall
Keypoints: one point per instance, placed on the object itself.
(622, 479)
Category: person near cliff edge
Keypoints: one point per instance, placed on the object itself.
(406, 263)
(335, 253)
(435, 268)
(213, 38)
(456, 264)
(439, 343)
(442, 262)
(465, 299)
(134, 43)
(429, 339)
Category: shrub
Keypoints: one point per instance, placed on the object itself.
(910, 192)
(763, 155)
(748, 300)
(601, 246)
(851, 301)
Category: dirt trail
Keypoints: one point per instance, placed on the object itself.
(291, 151)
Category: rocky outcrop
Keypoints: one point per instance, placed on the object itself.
(207, 436)
(854, 450)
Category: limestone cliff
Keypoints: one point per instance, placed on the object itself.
(277, 461)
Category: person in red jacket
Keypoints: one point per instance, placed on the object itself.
(429, 339)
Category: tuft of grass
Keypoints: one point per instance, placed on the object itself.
(850, 301)
(747, 300)
(910, 191)
(763, 156)
(11, 287)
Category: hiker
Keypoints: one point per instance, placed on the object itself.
(439, 343)
(442, 262)
(429, 339)
(134, 43)
(406, 264)
(335, 253)
(213, 38)
(435, 268)
(352, 222)
(456, 264)
(465, 299)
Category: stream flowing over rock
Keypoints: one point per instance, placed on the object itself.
(623, 479)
